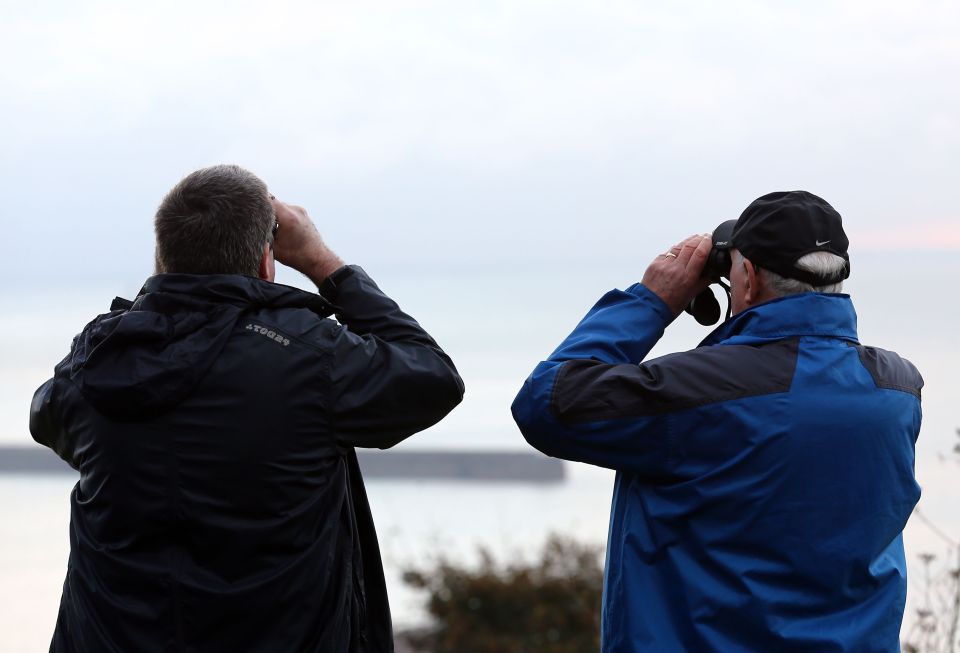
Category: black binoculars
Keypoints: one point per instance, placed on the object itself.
(705, 307)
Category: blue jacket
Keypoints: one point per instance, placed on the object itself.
(763, 478)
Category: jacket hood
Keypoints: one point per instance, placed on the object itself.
(146, 356)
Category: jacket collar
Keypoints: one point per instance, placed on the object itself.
(146, 356)
(228, 289)
(807, 314)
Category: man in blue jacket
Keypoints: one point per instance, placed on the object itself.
(763, 478)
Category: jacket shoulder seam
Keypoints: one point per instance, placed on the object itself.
(605, 391)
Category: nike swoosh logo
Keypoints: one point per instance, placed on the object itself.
(819, 244)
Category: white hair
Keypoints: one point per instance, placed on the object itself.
(822, 264)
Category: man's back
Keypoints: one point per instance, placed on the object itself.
(775, 521)
(763, 478)
(220, 505)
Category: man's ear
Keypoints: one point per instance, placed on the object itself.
(268, 268)
(751, 289)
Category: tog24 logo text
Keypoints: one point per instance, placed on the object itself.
(270, 333)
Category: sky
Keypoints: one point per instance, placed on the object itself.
(471, 134)
(496, 165)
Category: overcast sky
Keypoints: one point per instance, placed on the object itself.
(463, 133)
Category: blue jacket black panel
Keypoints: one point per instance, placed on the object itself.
(220, 506)
(763, 479)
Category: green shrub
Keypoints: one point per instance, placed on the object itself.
(550, 604)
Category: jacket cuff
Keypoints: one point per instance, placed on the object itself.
(330, 287)
(653, 300)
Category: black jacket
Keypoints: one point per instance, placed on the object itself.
(220, 506)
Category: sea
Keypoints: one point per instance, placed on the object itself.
(496, 324)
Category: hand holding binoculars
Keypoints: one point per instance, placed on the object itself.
(704, 307)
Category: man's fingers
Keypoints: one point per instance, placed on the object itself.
(288, 213)
(679, 246)
(698, 257)
(674, 251)
(674, 276)
(687, 248)
(279, 209)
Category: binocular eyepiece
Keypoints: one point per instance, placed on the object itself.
(705, 308)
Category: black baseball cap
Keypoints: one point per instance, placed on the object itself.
(779, 228)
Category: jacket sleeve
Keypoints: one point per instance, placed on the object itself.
(585, 402)
(389, 378)
(46, 424)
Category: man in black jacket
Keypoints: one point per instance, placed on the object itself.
(213, 421)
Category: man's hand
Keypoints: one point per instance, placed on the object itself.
(298, 243)
(675, 276)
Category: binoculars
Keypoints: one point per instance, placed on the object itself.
(705, 308)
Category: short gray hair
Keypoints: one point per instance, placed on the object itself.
(215, 221)
(824, 264)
